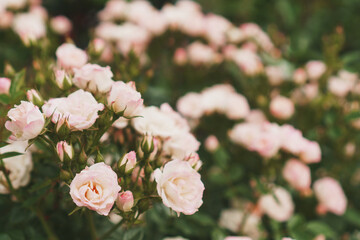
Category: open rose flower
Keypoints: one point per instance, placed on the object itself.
(79, 109)
(26, 121)
(96, 188)
(69, 56)
(282, 107)
(330, 195)
(297, 174)
(280, 209)
(124, 98)
(180, 187)
(19, 167)
(94, 78)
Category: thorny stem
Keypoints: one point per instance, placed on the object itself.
(90, 220)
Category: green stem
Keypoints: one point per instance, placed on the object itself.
(3, 169)
(50, 233)
(111, 230)
(90, 220)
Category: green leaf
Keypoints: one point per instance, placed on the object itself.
(4, 237)
(318, 227)
(18, 82)
(134, 234)
(352, 216)
(5, 99)
(10, 154)
(351, 116)
(3, 144)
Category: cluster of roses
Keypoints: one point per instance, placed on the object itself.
(74, 127)
(32, 24)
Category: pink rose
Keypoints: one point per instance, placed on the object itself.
(282, 107)
(96, 188)
(310, 152)
(292, 139)
(315, 69)
(125, 201)
(5, 84)
(191, 105)
(340, 87)
(211, 143)
(280, 209)
(181, 145)
(248, 61)
(297, 174)
(300, 76)
(256, 116)
(93, 78)
(180, 56)
(275, 74)
(236, 106)
(199, 54)
(61, 25)
(63, 149)
(124, 98)
(26, 121)
(63, 80)
(330, 195)
(129, 160)
(80, 109)
(180, 187)
(69, 56)
(29, 26)
(33, 96)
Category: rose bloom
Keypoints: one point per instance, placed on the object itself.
(330, 195)
(311, 152)
(297, 174)
(93, 78)
(254, 32)
(181, 145)
(199, 54)
(248, 61)
(340, 87)
(216, 27)
(5, 84)
(315, 69)
(280, 209)
(211, 143)
(114, 10)
(61, 25)
(26, 121)
(180, 56)
(234, 220)
(19, 167)
(96, 188)
(236, 106)
(155, 122)
(190, 105)
(131, 37)
(180, 122)
(69, 56)
(124, 98)
(256, 116)
(300, 76)
(275, 75)
(29, 26)
(180, 187)
(80, 110)
(292, 139)
(6, 19)
(282, 107)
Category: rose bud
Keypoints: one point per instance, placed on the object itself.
(64, 151)
(98, 45)
(5, 84)
(147, 144)
(300, 76)
(125, 201)
(124, 99)
(61, 25)
(34, 97)
(129, 161)
(26, 121)
(180, 56)
(194, 160)
(63, 80)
